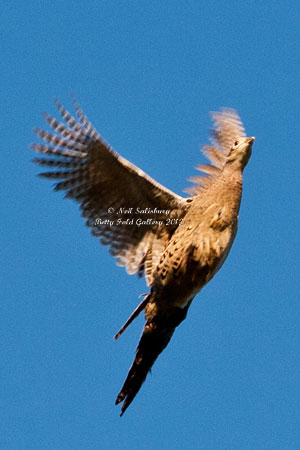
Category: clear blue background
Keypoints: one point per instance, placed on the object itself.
(147, 74)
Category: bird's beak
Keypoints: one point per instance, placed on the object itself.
(251, 139)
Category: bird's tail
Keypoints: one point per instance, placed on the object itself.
(156, 336)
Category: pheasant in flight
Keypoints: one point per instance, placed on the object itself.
(177, 243)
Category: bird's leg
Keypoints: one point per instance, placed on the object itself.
(135, 313)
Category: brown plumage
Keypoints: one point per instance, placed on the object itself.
(177, 243)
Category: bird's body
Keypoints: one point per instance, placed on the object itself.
(183, 245)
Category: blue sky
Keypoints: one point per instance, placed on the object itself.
(147, 74)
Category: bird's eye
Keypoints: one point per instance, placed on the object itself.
(236, 142)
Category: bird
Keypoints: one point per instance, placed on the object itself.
(178, 243)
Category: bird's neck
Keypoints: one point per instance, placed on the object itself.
(234, 168)
(232, 181)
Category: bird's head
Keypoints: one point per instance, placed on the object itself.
(240, 152)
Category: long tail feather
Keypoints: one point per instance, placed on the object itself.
(156, 336)
(133, 316)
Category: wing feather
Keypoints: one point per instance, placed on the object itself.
(228, 128)
(109, 189)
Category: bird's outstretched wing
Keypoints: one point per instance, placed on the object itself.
(110, 191)
(228, 128)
